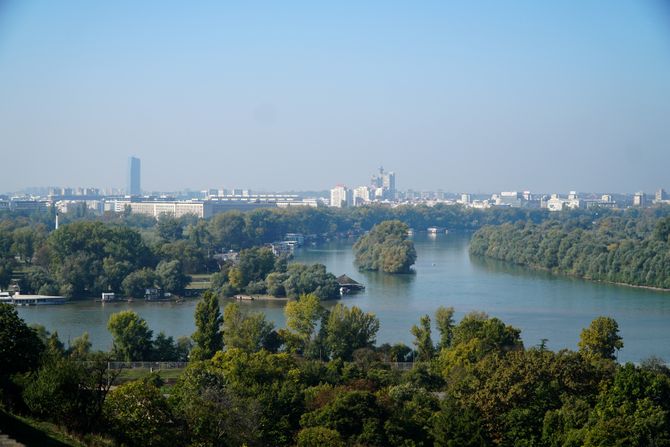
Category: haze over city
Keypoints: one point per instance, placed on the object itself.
(300, 96)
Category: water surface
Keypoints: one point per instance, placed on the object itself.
(540, 304)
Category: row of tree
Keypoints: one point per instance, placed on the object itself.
(321, 381)
(630, 248)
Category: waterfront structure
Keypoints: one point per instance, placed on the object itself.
(134, 188)
(341, 197)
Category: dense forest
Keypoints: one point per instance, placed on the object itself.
(632, 247)
(323, 381)
(385, 248)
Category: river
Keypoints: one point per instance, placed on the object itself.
(542, 305)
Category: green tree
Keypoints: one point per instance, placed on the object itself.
(302, 316)
(458, 426)
(385, 248)
(68, 392)
(170, 276)
(348, 329)
(131, 335)
(169, 228)
(20, 347)
(601, 339)
(214, 414)
(248, 332)
(319, 437)
(422, 340)
(135, 284)
(356, 415)
(6, 271)
(80, 347)
(208, 337)
(444, 319)
(138, 414)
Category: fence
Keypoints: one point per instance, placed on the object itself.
(147, 365)
(156, 366)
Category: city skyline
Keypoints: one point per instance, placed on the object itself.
(462, 97)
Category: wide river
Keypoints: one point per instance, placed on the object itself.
(542, 305)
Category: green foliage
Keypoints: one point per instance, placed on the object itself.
(207, 337)
(88, 257)
(6, 271)
(20, 346)
(385, 248)
(348, 329)
(305, 279)
(633, 410)
(631, 247)
(319, 437)
(458, 425)
(170, 276)
(214, 414)
(135, 284)
(80, 347)
(601, 339)
(253, 266)
(444, 319)
(422, 340)
(302, 317)
(248, 332)
(68, 392)
(132, 336)
(138, 414)
(356, 415)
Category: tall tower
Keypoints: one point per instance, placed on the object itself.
(133, 187)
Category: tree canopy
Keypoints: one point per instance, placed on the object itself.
(385, 248)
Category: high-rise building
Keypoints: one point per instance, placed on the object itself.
(341, 196)
(640, 199)
(133, 186)
(661, 195)
(361, 195)
(386, 182)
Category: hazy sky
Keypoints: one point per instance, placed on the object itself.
(463, 96)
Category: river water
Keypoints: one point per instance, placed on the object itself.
(542, 305)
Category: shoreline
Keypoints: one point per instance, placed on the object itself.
(568, 275)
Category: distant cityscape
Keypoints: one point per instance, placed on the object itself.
(380, 190)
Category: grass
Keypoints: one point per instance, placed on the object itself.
(35, 433)
(200, 281)
(138, 373)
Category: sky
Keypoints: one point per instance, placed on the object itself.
(456, 95)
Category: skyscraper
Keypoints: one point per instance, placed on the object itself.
(133, 185)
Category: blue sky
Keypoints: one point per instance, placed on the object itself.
(462, 96)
